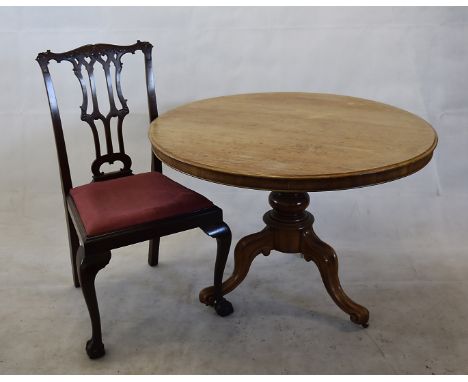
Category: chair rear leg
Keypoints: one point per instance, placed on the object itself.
(153, 253)
(74, 243)
(89, 266)
(223, 236)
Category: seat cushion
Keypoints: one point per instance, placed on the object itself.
(124, 202)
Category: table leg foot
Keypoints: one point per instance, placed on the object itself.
(326, 260)
(247, 249)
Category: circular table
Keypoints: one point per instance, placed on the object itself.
(291, 144)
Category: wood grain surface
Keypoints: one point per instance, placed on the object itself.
(293, 141)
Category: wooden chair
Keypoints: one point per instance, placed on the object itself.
(118, 208)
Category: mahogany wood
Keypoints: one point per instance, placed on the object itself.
(89, 254)
(89, 266)
(153, 252)
(289, 229)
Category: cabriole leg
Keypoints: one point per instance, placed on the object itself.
(326, 260)
(289, 230)
(223, 236)
(247, 249)
(88, 266)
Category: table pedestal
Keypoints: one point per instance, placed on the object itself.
(289, 229)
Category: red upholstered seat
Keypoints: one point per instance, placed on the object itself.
(124, 202)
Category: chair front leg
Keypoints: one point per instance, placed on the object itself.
(88, 266)
(223, 236)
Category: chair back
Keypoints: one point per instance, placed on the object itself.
(84, 59)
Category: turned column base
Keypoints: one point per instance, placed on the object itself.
(289, 230)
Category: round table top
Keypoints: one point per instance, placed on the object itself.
(293, 141)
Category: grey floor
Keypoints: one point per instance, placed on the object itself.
(404, 258)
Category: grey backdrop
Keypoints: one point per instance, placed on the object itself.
(401, 242)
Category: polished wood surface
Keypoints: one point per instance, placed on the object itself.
(90, 253)
(293, 141)
(289, 229)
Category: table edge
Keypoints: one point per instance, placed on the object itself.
(323, 182)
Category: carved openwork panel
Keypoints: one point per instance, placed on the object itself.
(86, 60)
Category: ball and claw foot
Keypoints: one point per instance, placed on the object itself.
(95, 350)
(223, 307)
